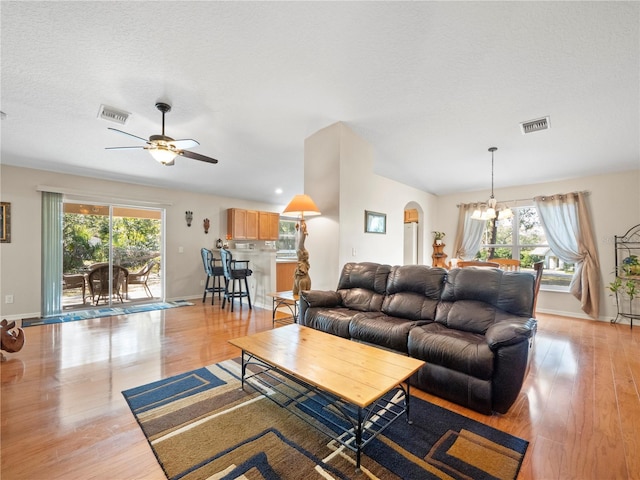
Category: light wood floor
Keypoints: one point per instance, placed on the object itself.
(63, 416)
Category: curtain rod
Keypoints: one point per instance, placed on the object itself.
(585, 192)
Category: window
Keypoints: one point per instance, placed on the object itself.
(286, 246)
(523, 238)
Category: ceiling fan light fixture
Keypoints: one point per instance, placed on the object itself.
(162, 154)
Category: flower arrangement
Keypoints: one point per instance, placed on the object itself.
(631, 265)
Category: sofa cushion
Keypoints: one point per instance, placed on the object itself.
(512, 292)
(464, 352)
(329, 320)
(362, 286)
(413, 291)
(467, 315)
(382, 330)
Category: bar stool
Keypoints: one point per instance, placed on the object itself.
(215, 273)
(236, 272)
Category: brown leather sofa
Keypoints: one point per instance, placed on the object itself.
(473, 327)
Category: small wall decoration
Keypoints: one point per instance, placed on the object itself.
(188, 216)
(5, 222)
(375, 222)
(206, 225)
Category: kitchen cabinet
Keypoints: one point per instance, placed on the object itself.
(284, 275)
(236, 223)
(252, 225)
(269, 224)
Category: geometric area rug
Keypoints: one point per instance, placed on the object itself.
(103, 312)
(202, 425)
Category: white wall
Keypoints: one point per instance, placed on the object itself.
(339, 177)
(20, 265)
(615, 207)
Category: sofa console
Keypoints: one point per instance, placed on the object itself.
(473, 327)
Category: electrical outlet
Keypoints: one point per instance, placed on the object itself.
(202, 283)
(8, 299)
(354, 252)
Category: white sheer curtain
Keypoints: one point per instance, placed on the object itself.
(566, 222)
(469, 233)
(51, 288)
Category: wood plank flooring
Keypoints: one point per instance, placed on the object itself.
(63, 416)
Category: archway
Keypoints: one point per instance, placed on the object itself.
(413, 250)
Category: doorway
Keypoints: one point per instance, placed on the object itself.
(112, 255)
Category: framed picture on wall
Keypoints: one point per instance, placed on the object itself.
(375, 222)
(5, 222)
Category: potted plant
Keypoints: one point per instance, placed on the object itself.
(437, 237)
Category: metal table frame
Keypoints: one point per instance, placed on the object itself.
(363, 424)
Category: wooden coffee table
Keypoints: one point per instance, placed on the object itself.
(324, 369)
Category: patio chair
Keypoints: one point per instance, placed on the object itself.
(141, 277)
(76, 280)
(98, 281)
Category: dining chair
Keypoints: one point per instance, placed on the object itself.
(214, 273)
(538, 267)
(476, 263)
(141, 277)
(236, 272)
(508, 264)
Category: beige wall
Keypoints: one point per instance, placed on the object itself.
(614, 199)
(615, 207)
(20, 264)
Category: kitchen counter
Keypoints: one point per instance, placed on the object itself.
(263, 280)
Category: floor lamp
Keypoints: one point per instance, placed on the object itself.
(300, 206)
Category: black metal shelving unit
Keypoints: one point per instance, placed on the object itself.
(627, 247)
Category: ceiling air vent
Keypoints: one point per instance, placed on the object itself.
(535, 125)
(113, 114)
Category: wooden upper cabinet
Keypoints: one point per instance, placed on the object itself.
(252, 224)
(237, 223)
(269, 226)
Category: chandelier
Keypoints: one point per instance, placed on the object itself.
(492, 209)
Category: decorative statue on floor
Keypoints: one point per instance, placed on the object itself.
(301, 278)
(10, 341)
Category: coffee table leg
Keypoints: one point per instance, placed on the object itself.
(358, 439)
(244, 368)
(407, 401)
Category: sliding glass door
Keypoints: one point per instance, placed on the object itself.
(112, 255)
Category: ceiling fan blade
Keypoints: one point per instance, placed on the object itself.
(197, 156)
(185, 143)
(129, 134)
(123, 148)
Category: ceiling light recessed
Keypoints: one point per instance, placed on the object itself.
(113, 114)
(535, 125)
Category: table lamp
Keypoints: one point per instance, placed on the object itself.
(300, 206)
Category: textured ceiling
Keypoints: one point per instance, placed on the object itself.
(431, 85)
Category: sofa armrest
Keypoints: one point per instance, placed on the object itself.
(317, 298)
(510, 331)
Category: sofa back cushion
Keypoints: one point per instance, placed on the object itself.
(362, 285)
(475, 298)
(413, 292)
